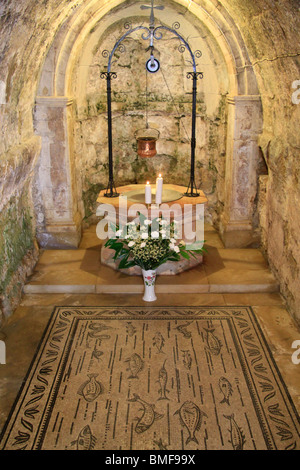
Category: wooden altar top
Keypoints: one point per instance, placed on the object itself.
(122, 190)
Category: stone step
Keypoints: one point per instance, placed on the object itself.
(80, 271)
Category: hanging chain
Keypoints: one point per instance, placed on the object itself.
(147, 123)
(175, 105)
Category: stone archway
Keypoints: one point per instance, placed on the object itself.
(57, 189)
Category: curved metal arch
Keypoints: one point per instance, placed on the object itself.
(117, 44)
(186, 44)
(152, 34)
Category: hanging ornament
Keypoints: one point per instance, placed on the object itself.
(146, 139)
(152, 65)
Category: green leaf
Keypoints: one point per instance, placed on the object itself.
(116, 255)
(191, 253)
(198, 252)
(110, 242)
(115, 244)
(130, 264)
(124, 251)
(184, 254)
(170, 257)
(123, 263)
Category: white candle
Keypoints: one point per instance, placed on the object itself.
(159, 189)
(148, 193)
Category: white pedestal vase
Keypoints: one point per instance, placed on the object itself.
(149, 283)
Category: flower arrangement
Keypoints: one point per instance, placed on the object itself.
(148, 244)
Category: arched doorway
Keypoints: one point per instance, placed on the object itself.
(70, 116)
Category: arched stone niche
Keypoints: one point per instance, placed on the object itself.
(70, 115)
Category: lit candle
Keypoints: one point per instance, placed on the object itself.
(159, 189)
(148, 193)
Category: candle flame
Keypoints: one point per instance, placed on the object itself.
(159, 175)
(148, 182)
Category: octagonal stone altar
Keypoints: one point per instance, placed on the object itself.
(175, 205)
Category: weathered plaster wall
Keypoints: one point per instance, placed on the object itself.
(271, 32)
(18, 250)
(26, 31)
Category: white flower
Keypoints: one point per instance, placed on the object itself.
(155, 235)
(147, 222)
(118, 233)
(143, 244)
(172, 246)
(130, 244)
(182, 243)
(163, 222)
(172, 240)
(176, 249)
(144, 236)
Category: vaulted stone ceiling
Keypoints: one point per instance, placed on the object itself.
(270, 30)
(259, 41)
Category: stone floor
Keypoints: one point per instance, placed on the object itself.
(74, 277)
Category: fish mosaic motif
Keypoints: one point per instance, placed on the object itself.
(162, 380)
(151, 378)
(85, 440)
(187, 359)
(130, 329)
(226, 389)
(191, 418)
(96, 354)
(183, 330)
(98, 327)
(95, 332)
(158, 342)
(149, 415)
(214, 345)
(99, 339)
(237, 438)
(160, 444)
(91, 389)
(135, 365)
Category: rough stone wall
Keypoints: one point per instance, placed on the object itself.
(271, 32)
(18, 250)
(26, 31)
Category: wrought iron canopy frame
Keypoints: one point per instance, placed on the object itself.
(152, 33)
